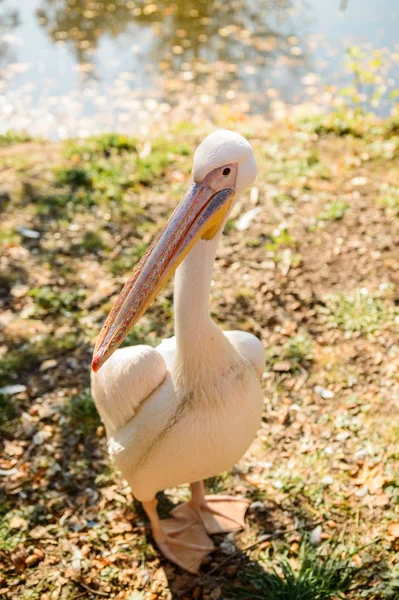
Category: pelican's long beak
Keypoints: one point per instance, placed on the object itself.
(199, 215)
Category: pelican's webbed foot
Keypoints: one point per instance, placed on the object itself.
(183, 541)
(218, 514)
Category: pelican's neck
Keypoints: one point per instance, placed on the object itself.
(193, 324)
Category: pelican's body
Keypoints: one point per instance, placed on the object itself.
(178, 414)
(189, 408)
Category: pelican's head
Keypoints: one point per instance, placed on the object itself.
(226, 150)
(224, 166)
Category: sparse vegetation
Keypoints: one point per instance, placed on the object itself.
(82, 412)
(361, 312)
(315, 578)
(297, 351)
(335, 211)
(327, 449)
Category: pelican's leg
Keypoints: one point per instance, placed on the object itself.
(182, 541)
(218, 514)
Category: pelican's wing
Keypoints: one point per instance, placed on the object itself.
(129, 376)
(250, 347)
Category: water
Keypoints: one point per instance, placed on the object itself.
(76, 67)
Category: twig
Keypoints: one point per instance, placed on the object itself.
(262, 540)
(89, 589)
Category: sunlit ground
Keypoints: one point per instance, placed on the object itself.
(312, 271)
(308, 263)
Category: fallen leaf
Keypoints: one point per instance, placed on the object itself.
(18, 557)
(18, 523)
(393, 529)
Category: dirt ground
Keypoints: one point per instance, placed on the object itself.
(308, 263)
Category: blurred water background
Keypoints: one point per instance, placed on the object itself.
(78, 67)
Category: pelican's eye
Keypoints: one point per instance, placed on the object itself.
(226, 171)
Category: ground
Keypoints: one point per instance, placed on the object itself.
(309, 263)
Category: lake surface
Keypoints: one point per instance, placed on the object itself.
(76, 67)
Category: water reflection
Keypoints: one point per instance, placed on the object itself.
(9, 20)
(202, 42)
(75, 67)
(81, 24)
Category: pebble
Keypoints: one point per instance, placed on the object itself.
(11, 390)
(48, 364)
(258, 505)
(28, 233)
(282, 366)
(315, 536)
(40, 437)
(324, 392)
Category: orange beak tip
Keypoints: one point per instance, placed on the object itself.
(96, 363)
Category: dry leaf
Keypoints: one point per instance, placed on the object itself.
(393, 529)
(18, 523)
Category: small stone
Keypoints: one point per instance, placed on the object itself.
(327, 480)
(40, 437)
(282, 367)
(100, 431)
(227, 547)
(315, 536)
(18, 523)
(331, 524)
(258, 505)
(48, 364)
(28, 233)
(11, 390)
(324, 392)
(38, 532)
(359, 181)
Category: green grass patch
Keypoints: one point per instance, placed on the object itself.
(100, 145)
(19, 360)
(82, 412)
(360, 312)
(389, 199)
(315, 578)
(297, 350)
(14, 137)
(335, 211)
(51, 301)
(282, 239)
(7, 409)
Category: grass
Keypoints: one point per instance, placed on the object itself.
(18, 362)
(297, 351)
(315, 578)
(389, 199)
(7, 409)
(97, 206)
(50, 301)
(335, 211)
(14, 137)
(82, 412)
(361, 312)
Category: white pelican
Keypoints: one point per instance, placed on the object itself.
(189, 408)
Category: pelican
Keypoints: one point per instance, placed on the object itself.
(189, 408)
